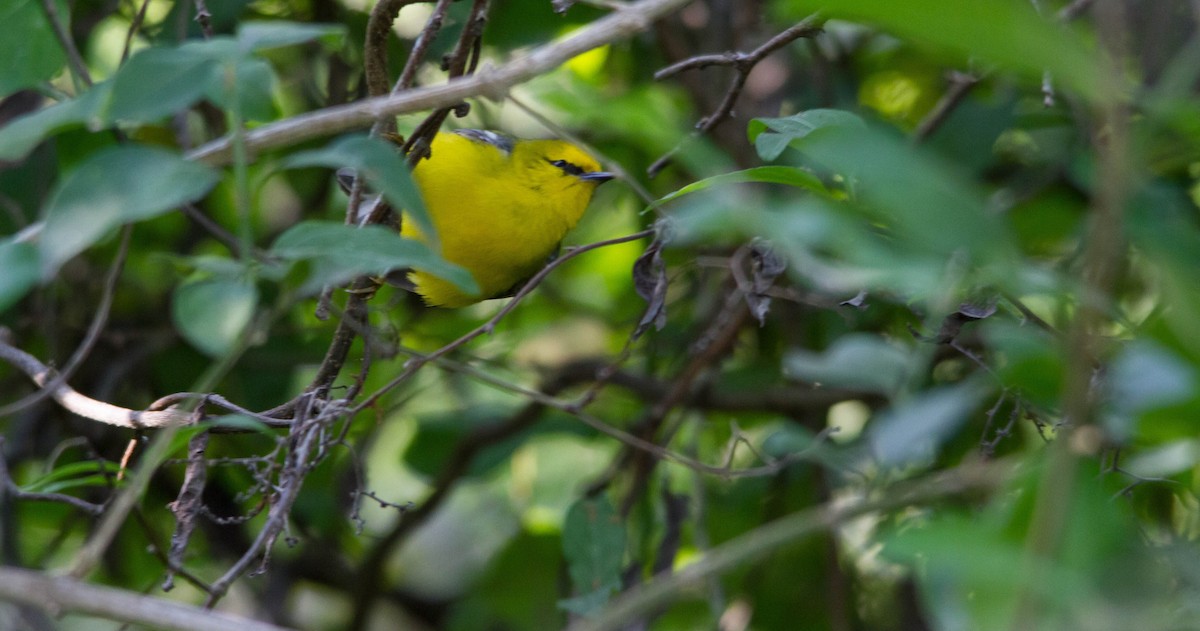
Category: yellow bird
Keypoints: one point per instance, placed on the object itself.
(501, 207)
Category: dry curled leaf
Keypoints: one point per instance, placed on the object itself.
(970, 311)
(188, 506)
(650, 282)
(859, 301)
(765, 267)
(952, 325)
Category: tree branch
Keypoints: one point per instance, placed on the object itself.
(59, 594)
(743, 64)
(765, 540)
(84, 406)
(99, 320)
(489, 83)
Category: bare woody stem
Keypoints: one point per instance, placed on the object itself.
(492, 83)
(743, 64)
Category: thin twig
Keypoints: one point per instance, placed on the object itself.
(713, 345)
(459, 63)
(101, 537)
(630, 440)
(134, 25)
(1030, 316)
(413, 365)
(164, 413)
(305, 434)
(611, 5)
(1103, 261)
(214, 229)
(59, 594)
(354, 319)
(743, 64)
(7, 485)
(157, 549)
(64, 39)
(782, 400)
(368, 579)
(960, 85)
(99, 320)
(1074, 10)
(759, 543)
(204, 19)
(421, 46)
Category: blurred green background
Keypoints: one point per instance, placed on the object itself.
(925, 236)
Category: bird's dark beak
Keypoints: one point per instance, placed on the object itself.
(599, 177)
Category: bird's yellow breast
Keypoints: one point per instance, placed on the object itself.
(498, 215)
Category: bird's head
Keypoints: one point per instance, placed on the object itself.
(557, 166)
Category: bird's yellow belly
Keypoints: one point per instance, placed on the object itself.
(501, 247)
(499, 213)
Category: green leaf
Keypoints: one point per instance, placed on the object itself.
(255, 84)
(160, 81)
(1006, 32)
(995, 569)
(914, 429)
(20, 136)
(772, 135)
(213, 314)
(241, 422)
(1170, 459)
(1142, 378)
(383, 168)
(30, 51)
(791, 176)
(770, 146)
(913, 193)
(340, 252)
(256, 36)
(590, 602)
(593, 544)
(207, 265)
(75, 475)
(20, 264)
(114, 186)
(1030, 361)
(157, 82)
(804, 123)
(529, 603)
(857, 361)
(787, 441)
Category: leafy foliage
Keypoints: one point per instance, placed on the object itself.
(899, 334)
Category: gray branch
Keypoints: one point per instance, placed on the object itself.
(59, 594)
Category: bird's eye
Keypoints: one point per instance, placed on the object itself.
(567, 167)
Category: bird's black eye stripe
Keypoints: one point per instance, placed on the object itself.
(567, 167)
